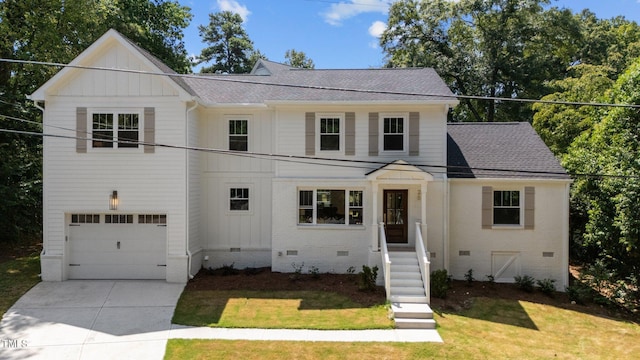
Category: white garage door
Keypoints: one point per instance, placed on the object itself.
(122, 246)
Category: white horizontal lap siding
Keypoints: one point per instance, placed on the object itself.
(77, 182)
(466, 233)
(291, 130)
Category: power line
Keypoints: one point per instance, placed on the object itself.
(343, 163)
(231, 79)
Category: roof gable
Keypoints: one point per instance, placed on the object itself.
(113, 51)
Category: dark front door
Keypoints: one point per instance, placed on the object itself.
(395, 216)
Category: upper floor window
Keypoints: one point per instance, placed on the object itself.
(329, 134)
(122, 129)
(506, 207)
(238, 135)
(393, 133)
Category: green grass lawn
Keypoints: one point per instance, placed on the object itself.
(16, 278)
(490, 329)
(277, 309)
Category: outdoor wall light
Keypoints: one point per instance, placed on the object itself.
(113, 200)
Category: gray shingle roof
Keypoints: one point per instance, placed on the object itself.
(499, 150)
(323, 85)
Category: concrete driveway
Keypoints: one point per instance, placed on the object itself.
(90, 319)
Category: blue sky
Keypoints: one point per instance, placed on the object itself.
(336, 33)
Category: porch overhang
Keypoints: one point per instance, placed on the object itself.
(399, 172)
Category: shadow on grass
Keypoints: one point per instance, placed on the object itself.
(210, 307)
(505, 307)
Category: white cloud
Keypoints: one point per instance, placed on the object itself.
(234, 7)
(345, 10)
(377, 28)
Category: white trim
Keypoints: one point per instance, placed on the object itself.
(341, 132)
(248, 119)
(314, 207)
(115, 111)
(405, 133)
(251, 205)
(519, 226)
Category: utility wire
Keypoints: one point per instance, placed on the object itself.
(233, 79)
(343, 163)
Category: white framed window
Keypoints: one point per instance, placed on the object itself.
(239, 199)
(330, 132)
(394, 132)
(238, 134)
(323, 206)
(115, 129)
(506, 207)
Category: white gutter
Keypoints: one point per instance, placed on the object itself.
(186, 177)
(446, 224)
(44, 213)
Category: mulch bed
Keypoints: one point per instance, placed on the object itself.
(459, 297)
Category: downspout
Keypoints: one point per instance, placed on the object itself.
(44, 215)
(445, 220)
(186, 177)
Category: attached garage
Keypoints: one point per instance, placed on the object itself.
(117, 246)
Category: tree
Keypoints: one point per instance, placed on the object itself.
(57, 31)
(611, 203)
(497, 48)
(229, 45)
(298, 59)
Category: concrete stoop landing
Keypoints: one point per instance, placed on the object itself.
(409, 302)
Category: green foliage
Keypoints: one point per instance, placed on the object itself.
(440, 283)
(524, 283)
(491, 279)
(368, 277)
(547, 286)
(351, 270)
(314, 272)
(468, 276)
(297, 271)
(298, 59)
(496, 48)
(229, 46)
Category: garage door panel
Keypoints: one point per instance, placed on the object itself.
(117, 251)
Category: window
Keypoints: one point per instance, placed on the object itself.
(238, 135)
(506, 207)
(393, 133)
(118, 219)
(239, 199)
(152, 219)
(329, 134)
(124, 133)
(85, 218)
(330, 206)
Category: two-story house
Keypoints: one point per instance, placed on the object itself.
(152, 175)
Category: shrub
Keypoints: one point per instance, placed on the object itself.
(579, 293)
(297, 271)
(440, 283)
(491, 279)
(468, 276)
(368, 277)
(314, 272)
(228, 270)
(547, 286)
(525, 283)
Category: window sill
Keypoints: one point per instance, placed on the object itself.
(330, 227)
(507, 227)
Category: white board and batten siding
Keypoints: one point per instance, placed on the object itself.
(81, 182)
(238, 237)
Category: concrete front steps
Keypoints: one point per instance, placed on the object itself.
(409, 302)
